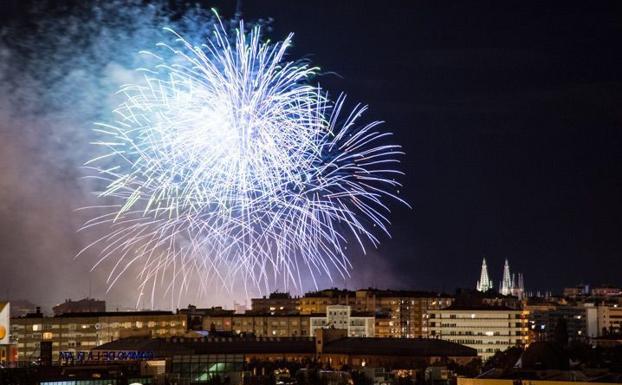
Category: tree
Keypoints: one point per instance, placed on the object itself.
(560, 334)
(503, 359)
(360, 378)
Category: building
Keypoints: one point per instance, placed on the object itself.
(574, 292)
(8, 355)
(72, 332)
(334, 348)
(537, 378)
(400, 313)
(276, 303)
(85, 305)
(258, 324)
(512, 284)
(609, 319)
(340, 317)
(316, 302)
(487, 329)
(505, 286)
(542, 323)
(394, 313)
(484, 283)
(583, 321)
(195, 316)
(185, 360)
(606, 291)
(240, 308)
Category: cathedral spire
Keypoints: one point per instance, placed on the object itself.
(506, 283)
(484, 283)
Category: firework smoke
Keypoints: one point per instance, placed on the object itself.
(226, 161)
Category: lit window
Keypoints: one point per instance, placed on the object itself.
(47, 336)
(37, 327)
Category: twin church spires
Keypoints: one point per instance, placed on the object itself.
(511, 284)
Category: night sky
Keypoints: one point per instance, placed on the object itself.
(510, 116)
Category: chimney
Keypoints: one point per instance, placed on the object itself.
(324, 336)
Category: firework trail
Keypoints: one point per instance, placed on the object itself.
(227, 162)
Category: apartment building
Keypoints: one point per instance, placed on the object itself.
(484, 328)
(403, 313)
(341, 317)
(75, 332)
(399, 313)
(609, 319)
(276, 303)
(259, 324)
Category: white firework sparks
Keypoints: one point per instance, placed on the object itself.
(226, 161)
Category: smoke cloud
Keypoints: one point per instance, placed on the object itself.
(59, 71)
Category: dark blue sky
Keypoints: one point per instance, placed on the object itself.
(510, 113)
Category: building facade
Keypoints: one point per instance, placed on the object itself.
(84, 331)
(609, 319)
(406, 312)
(341, 317)
(261, 325)
(233, 359)
(399, 313)
(544, 322)
(276, 303)
(316, 302)
(486, 329)
(606, 291)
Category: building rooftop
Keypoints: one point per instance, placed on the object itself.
(479, 307)
(117, 314)
(415, 347)
(329, 293)
(219, 345)
(301, 345)
(406, 293)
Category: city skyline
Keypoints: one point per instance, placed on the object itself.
(511, 139)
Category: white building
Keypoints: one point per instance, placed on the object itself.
(608, 320)
(339, 317)
(484, 328)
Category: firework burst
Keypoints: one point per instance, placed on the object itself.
(228, 162)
